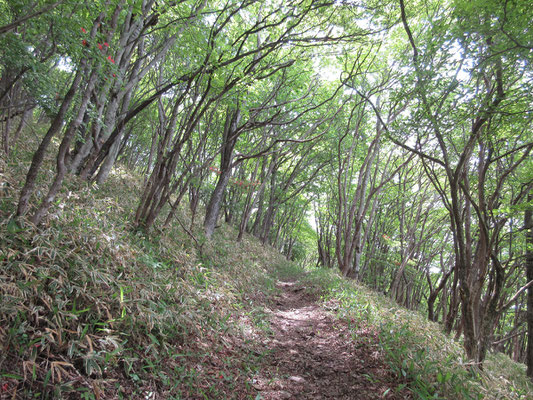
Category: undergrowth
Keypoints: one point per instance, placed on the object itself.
(92, 309)
(432, 365)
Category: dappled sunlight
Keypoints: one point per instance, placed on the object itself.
(314, 355)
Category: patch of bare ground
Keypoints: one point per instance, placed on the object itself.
(314, 355)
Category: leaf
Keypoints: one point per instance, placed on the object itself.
(13, 227)
(154, 339)
(12, 376)
(47, 377)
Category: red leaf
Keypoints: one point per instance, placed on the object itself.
(100, 46)
(83, 30)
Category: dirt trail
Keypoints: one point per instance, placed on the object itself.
(313, 355)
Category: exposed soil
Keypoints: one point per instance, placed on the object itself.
(314, 355)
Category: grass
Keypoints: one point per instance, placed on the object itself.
(92, 309)
(432, 365)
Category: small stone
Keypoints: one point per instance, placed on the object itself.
(297, 379)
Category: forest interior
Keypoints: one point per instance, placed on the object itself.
(266, 199)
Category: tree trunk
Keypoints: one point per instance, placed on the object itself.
(38, 156)
(229, 140)
(434, 293)
(24, 120)
(453, 308)
(215, 202)
(61, 168)
(249, 202)
(528, 224)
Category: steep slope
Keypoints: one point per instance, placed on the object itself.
(90, 308)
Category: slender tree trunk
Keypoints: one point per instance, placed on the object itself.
(268, 221)
(24, 120)
(63, 153)
(215, 202)
(434, 293)
(256, 228)
(176, 202)
(151, 155)
(528, 224)
(38, 156)
(248, 204)
(453, 308)
(256, 200)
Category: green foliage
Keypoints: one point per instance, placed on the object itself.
(89, 306)
(429, 363)
(99, 296)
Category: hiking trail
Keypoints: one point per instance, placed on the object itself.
(313, 354)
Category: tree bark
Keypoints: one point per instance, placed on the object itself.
(38, 156)
(230, 139)
(528, 224)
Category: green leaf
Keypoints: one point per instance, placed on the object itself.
(154, 339)
(12, 376)
(13, 227)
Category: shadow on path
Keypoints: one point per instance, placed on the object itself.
(314, 356)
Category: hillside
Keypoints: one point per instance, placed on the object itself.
(91, 308)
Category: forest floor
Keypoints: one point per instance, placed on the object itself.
(312, 354)
(90, 309)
